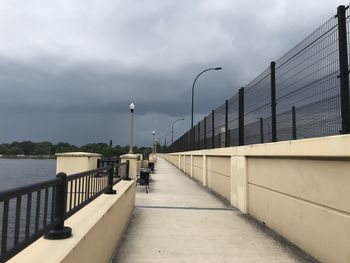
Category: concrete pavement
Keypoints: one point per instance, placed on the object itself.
(180, 221)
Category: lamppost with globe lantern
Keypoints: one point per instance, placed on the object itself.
(132, 108)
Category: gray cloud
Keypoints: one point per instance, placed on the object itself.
(68, 70)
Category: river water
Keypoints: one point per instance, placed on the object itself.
(19, 172)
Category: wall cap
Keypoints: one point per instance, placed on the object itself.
(78, 154)
(129, 156)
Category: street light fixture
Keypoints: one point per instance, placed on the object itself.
(132, 108)
(154, 133)
(172, 129)
(194, 82)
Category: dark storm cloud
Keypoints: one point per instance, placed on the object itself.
(67, 69)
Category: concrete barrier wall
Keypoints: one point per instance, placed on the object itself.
(188, 165)
(96, 231)
(300, 189)
(198, 168)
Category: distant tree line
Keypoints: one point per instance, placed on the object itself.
(29, 148)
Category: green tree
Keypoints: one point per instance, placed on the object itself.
(15, 151)
(3, 149)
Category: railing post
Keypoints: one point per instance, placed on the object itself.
(110, 190)
(344, 70)
(273, 101)
(241, 117)
(205, 133)
(261, 130)
(128, 169)
(294, 120)
(226, 124)
(60, 201)
(212, 129)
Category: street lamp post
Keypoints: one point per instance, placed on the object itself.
(154, 133)
(132, 108)
(166, 135)
(172, 129)
(194, 82)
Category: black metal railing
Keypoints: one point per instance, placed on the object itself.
(107, 162)
(30, 212)
(304, 94)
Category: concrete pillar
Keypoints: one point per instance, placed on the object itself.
(191, 174)
(132, 158)
(76, 162)
(179, 161)
(204, 170)
(184, 164)
(239, 183)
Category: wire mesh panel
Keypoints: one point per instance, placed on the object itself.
(209, 130)
(306, 78)
(310, 84)
(233, 120)
(257, 104)
(201, 134)
(219, 126)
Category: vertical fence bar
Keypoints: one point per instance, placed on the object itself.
(5, 217)
(46, 204)
(110, 190)
(212, 129)
(199, 136)
(344, 70)
(273, 101)
(37, 209)
(226, 124)
(29, 209)
(294, 120)
(18, 218)
(261, 130)
(241, 117)
(60, 231)
(205, 133)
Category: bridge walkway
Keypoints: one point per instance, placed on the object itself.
(180, 221)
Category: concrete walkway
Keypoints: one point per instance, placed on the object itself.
(180, 221)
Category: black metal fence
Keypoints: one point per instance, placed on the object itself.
(304, 94)
(29, 212)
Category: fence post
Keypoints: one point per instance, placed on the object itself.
(110, 190)
(294, 124)
(60, 201)
(241, 117)
(344, 70)
(212, 129)
(226, 124)
(205, 133)
(127, 169)
(199, 136)
(273, 101)
(261, 130)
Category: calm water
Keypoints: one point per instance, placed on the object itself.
(19, 172)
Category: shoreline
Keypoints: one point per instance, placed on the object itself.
(36, 157)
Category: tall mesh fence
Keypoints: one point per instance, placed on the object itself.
(300, 96)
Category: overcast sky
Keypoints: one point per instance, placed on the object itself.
(69, 69)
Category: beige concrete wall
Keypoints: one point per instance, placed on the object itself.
(96, 231)
(300, 189)
(188, 164)
(198, 168)
(76, 162)
(219, 175)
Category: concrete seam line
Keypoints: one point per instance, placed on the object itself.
(335, 210)
(187, 208)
